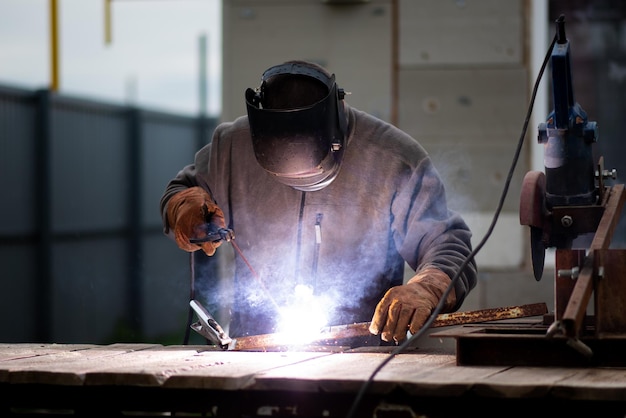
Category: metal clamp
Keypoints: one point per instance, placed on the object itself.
(208, 327)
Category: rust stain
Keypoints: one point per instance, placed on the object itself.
(492, 314)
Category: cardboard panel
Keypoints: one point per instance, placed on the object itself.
(434, 32)
(353, 41)
(468, 102)
(475, 174)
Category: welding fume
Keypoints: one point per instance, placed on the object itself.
(323, 204)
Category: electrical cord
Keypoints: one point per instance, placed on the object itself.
(192, 296)
(408, 342)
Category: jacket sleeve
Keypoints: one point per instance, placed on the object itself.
(189, 176)
(211, 167)
(428, 233)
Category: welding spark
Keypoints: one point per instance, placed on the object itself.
(303, 319)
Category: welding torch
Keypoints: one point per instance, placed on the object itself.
(212, 233)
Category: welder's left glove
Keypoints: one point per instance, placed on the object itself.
(407, 307)
(187, 213)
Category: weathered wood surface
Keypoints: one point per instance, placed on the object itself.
(58, 364)
(204, 367)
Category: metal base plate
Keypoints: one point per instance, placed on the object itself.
(526, 344)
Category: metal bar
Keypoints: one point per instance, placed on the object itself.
(192, 295)
(567, 269)
(579, 299)
(203, 75)
(107, 22)
(135, 301)
(43, 199)
(614, 206)
(362, 328)
(492, 314)
(54, 46)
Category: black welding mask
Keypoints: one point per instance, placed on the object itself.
(302, 146)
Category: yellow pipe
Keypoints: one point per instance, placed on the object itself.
(54, 47)
(107, 22)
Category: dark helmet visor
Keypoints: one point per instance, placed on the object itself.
(297, 144)
(292, 141)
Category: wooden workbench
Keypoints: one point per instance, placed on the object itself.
(146, 379)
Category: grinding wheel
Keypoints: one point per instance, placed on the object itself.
(533, 213)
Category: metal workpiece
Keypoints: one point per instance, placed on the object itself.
(336, 334)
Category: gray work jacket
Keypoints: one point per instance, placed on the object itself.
(348, 241)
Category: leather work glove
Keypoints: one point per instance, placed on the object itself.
(407, 307)
(188, 212)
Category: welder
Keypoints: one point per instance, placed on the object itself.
(322, 195)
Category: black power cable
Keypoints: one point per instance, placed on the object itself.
(192, 296)
(441, 303)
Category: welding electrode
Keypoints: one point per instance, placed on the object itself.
(214, 234)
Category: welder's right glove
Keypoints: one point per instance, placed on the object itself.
(407, 307)
(188, 212)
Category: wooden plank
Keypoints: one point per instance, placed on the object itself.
(22, 350)
(231, 370)
(591, 384)
(579, 299)
(608, 222)
(10, 352)
(205, 370)
(142, 368)
(63, 366)
(424, 374)
(521, 382)
(417, 373)
(433, 374)
(609, 303)
(342, 372)
(595, 384)
(435, 380)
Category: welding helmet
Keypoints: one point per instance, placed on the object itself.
(298, 136)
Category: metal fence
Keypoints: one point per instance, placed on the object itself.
(82, 253)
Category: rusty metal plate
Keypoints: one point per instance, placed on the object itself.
(331, 335)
